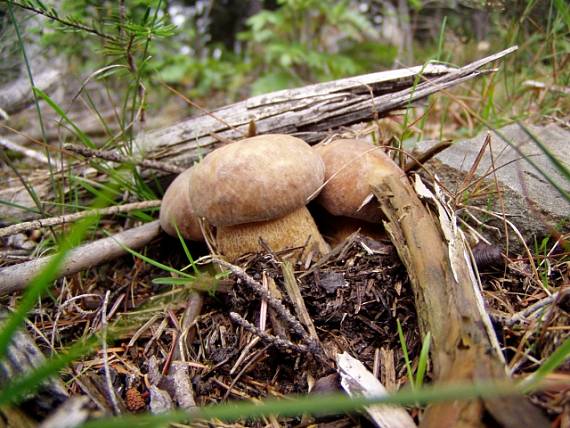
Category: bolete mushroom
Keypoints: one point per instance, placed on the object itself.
(257, 188)
(176, 209)
(350, 167)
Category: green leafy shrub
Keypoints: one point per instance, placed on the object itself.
(309, 40)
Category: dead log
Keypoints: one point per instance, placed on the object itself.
(449, 306)
(310, 113)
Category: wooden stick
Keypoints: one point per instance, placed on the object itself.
(32, 154)
(16, 277)
(69, 218)
(449, 306)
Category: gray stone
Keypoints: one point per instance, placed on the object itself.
(530, 201)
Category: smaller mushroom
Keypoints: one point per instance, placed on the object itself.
(256, 189)
(337, 229)
(350, 167)
(176, 209)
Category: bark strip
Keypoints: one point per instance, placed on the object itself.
(450, 306)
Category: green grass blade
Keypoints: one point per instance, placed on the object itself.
(528, 159)
(423, 361)
(39, 284)
(441, 39)
(154, 262)
(18, 387)
(29, 189)
(168, 280)
(321, 404)
(20, 207)
(186, 251)
(406, 356)
(557, 358)
(562, 169)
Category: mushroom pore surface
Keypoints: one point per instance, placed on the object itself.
(350, 167)
(255, 179)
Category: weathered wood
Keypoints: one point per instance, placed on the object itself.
(17, 95)
(356, 380)
(449, 306)
(71, 414)
(310, 112)
(16, 277)
(22, 358)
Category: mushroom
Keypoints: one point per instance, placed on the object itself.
(350, 165)
(337, 229)
(176, 209)
(257, 188)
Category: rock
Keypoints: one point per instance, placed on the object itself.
(530, 201)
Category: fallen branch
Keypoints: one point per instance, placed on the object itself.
(308, 112)
(16, 277)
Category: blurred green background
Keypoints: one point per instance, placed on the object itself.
(218, 51)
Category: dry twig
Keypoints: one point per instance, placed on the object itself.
(275, 304)
(69, 218)
(119, 158)
(282, 344)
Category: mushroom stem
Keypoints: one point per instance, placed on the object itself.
(296, 229)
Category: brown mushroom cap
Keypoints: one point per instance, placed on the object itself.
(256, 179)
(176, 209)
(350, 165)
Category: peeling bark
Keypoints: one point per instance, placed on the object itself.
(449, 306)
